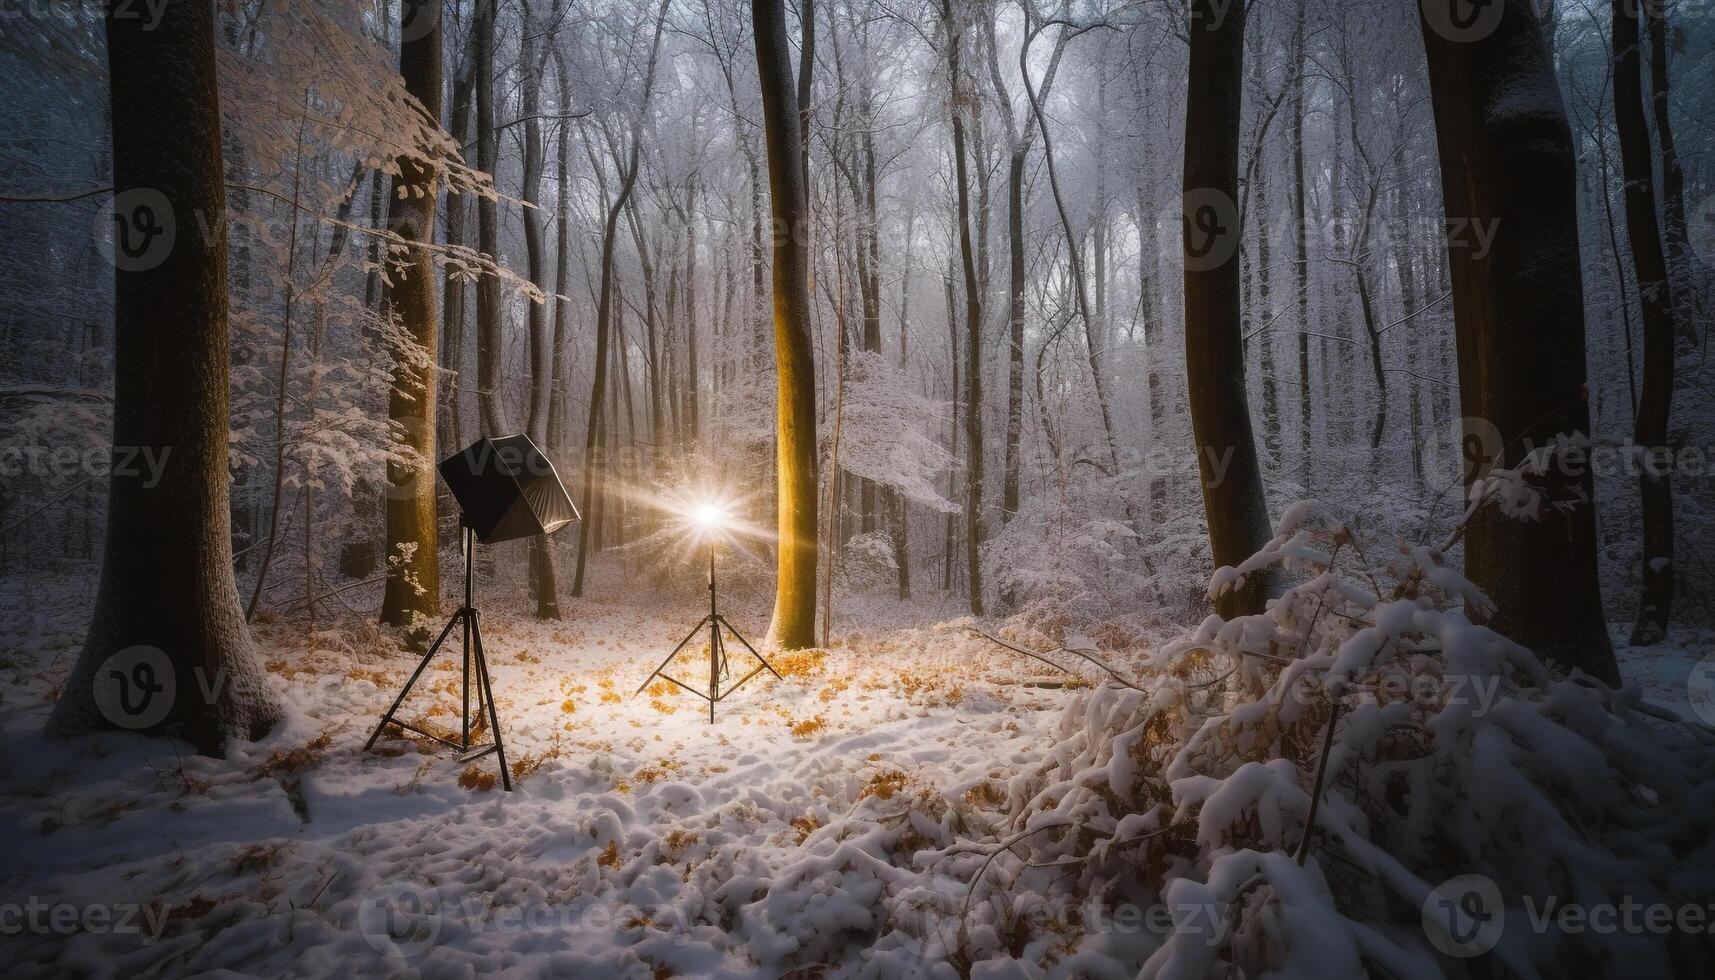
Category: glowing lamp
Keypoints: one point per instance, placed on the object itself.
(708, 519)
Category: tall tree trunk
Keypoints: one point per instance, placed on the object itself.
(1301, 256)
(973, 325)
(1015, 333)
(1655, 298)
(1675, 231)
(794, 622)
(869, 261)
(1519, 319)
(651, 327)
(557, 422)
(166, 624)
(693, 381)
(1093, 344)
(455, 288)
(902, 503)
(606, 300)
(413, 590)
(1233, 502)
(1265, 322)
(490, 326)
(535, 227)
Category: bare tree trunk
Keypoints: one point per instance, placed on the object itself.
(490, 327)
(166, 624)
(1233, 502)
(973, 325)
(1301, 256)
(1092, 343)
(1656, 299)
(455, 289)
(413, 591)
(605, 303)
(530, 62)
(1264, 314)
(794, 622)
(1015, 335)
(1519, 317)
(1675, 231)
(557, 422)
(693, 382)
(901, 503)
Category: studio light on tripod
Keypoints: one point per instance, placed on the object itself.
(709, 522)
(507, 489)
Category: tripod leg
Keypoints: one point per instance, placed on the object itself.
(688, 638)
(464, 694)
(488, 695)
(421, 666)
(717, 663)
(752, 649)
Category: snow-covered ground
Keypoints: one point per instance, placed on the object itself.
(828, 824)
(639, 841)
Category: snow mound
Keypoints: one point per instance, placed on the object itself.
(1472, 793)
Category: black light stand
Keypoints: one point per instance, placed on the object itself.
(718, 667)
(507, 489)
(465, 615)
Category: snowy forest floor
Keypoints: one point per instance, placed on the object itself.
(640, 841)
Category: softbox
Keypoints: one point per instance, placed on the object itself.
(508, 489)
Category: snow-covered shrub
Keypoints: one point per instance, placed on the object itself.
(867, 564)
(1454, 752)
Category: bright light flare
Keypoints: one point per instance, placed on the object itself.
(710, 515)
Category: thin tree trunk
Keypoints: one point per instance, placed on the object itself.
(1301, 256)
(973, 327)
(456, 289)
(605, 303)
(1015, 336)
(557, 422)
(1675, 231)
(1655, 297)
(490, 327)
(1233, 502)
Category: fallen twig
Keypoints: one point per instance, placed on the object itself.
(1032, 654)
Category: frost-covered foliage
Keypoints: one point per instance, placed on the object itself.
(1454, 752)
(892, 432)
